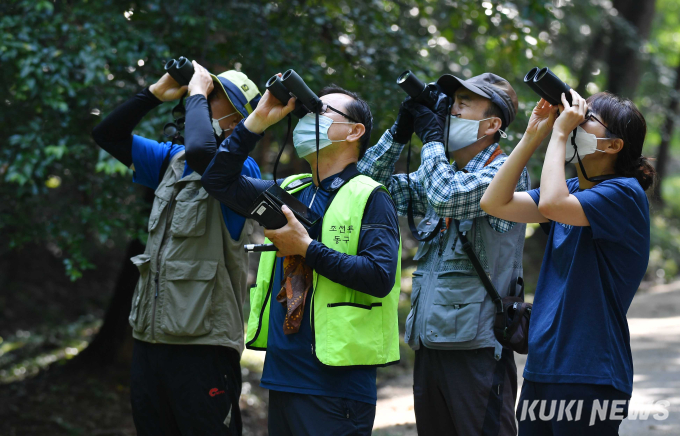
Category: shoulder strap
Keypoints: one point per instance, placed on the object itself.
(490, 289)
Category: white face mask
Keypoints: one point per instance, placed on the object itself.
(586, 143)
(304, 135)
(463, 132)
(216, 124)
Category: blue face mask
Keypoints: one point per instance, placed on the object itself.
(304, 135)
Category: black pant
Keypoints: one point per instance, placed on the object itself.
(538, 410)
(464, 392)
(185, 390)
(314, 415)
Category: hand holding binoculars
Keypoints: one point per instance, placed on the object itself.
(546, 84)
(290, 84)
(182, 70)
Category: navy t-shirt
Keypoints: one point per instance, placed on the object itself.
(290, 365)
(579, 332)
(148, 155)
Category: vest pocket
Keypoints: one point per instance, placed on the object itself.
(191, 213)
(189, 286)
(415, 295)
(454, 315)
(355, 334)
(139, 313)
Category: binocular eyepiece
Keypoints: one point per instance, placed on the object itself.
(290, 84)
(425, 94)
(546, 84)
(180, 69)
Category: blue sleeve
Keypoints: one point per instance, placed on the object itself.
(233, 220)
(147, 158)
(617, 209)
(535, 194)
(373, 270)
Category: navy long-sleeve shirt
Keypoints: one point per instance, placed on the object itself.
(290, 365)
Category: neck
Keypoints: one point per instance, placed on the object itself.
(328, 165)
(594, 169)
(465, 154)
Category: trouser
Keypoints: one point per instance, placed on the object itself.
(566, 409)
(464, 392)
(314, 415)
(185, 390)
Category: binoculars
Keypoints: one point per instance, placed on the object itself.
(180, 69)
(425, 94)
(546, 84)
(290, 84)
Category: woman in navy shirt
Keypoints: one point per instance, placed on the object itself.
(580, 367)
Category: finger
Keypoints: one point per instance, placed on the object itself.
(560, 108)
(279, 74)
(289, 107)
(287, 212)
(565, 102)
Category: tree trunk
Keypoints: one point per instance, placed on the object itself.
(666, 135)
(109, 346)
(624, 64)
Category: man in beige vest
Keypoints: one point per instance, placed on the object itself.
(187, 309)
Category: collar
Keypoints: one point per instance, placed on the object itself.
(480, 160)
(336, 181)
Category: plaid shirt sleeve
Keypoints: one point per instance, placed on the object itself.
(456, 194)
(378, 164)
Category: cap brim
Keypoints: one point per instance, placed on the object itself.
(450, 84)
(239, 107)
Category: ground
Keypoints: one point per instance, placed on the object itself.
(66, 401)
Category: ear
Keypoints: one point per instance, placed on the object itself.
(234, 122)
(614, 146)
(492, 128)
(357, 132)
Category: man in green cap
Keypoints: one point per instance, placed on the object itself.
(187, 309)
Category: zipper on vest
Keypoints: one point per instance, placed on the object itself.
(162, 248)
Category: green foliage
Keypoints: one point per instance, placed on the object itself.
(67, 63)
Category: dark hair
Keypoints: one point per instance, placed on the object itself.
(494, 111)
(625, 121)
(358, 109)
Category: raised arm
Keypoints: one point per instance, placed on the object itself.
(556, 202)
(378, 164)
(500, 199)
(222, 178)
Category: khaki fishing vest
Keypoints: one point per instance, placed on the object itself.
(192, 283)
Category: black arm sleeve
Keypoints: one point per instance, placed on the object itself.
(223, 180)
(114, 133)
(199, 138)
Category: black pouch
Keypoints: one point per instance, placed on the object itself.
(266, 209)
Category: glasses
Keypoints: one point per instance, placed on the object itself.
(326, 107)
(591, 117)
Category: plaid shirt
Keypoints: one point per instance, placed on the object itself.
(451, 192)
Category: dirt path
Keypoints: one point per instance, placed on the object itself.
(654, 321)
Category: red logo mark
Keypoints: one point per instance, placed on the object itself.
(214, 392)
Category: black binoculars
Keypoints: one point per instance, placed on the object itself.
(546, 84)
(290, 84)
(182, 70)
(425, 94)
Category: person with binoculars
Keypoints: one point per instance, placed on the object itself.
(187, 309)
(465, 381)
(596, 256)
(325, 305)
